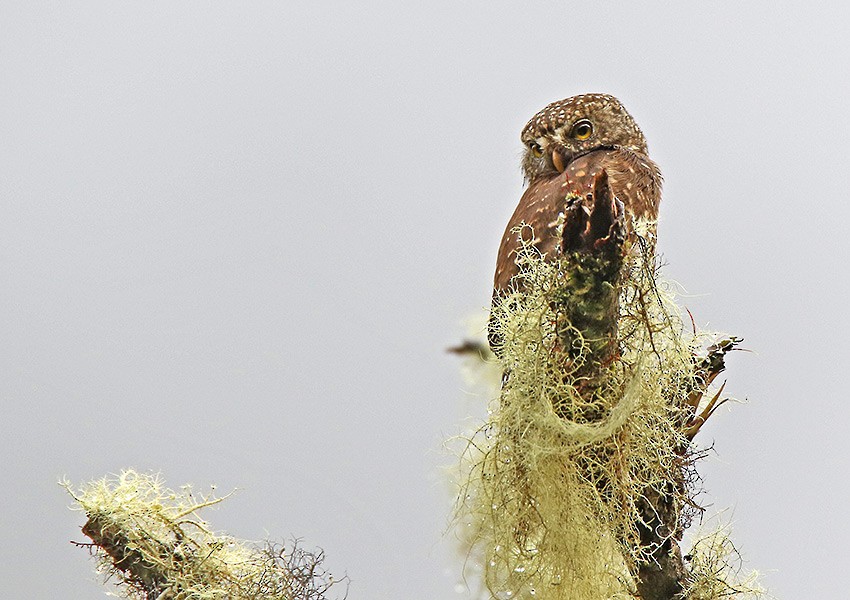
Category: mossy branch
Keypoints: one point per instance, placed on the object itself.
(152, 542)
(583, 480)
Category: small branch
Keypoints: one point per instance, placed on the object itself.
(143, 538)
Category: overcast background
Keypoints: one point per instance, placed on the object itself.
(236, 239)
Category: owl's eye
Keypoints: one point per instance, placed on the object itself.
(582, 130)
(536, 150)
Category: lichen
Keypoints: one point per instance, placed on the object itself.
(151, 541)
(583, 474)
(716, 570)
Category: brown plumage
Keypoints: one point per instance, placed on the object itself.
(566, 145)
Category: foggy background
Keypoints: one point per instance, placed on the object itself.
(236, 239)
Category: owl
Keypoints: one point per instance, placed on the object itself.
(592, 195)
(569, 146)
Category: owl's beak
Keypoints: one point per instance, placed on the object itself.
(559, 161)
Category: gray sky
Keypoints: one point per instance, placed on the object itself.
(236, 238)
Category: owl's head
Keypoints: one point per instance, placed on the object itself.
(569, 128)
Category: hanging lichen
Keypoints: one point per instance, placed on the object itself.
(581, 483)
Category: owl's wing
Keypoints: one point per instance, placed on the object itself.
(556, 221)
(635, 180)
(538, 211)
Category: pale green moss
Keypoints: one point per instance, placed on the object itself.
(153, 543)
(716, 571)
(557, 478)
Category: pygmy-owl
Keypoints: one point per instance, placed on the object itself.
(567, 145)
